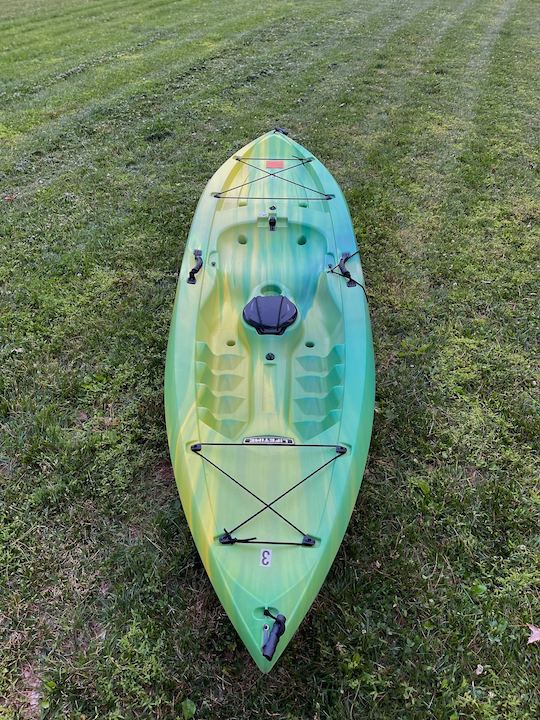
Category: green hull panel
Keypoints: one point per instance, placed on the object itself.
(314, 384)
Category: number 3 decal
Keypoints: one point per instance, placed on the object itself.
(266, 558)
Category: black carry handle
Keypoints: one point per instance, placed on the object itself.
(343, 270)
(278, 628)
(198, 265)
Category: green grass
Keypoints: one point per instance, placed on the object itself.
(112, 117)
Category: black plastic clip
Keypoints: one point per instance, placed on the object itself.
(281, 130)
(308, 541)
(341, 449)
(226, 538)
(196, 447)
(198, 265)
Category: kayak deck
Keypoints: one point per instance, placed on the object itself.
(238, 385)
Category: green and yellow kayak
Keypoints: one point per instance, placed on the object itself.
(270, 384)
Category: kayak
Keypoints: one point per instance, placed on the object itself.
(269, 385)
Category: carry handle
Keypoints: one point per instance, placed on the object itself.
(198, 265)
(343, 270)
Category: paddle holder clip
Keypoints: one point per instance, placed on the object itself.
(198, 265)
(271, 637)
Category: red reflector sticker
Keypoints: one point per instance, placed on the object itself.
(275, 164)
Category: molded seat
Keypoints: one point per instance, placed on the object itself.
(270, 314)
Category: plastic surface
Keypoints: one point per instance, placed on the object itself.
(269, 395)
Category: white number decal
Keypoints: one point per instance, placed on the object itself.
(266, 558)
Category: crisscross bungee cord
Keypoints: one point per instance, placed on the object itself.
(227, 537)
(302, 161)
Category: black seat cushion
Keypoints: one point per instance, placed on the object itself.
(270, 314)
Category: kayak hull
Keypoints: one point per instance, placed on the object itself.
(269, 426)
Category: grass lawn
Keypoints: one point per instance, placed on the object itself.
(113, 114)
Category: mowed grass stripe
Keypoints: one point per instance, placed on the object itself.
(454, 67)
(20, 11)
(64, 43)
(202, 72)
(383, 85)
(16, 92)
(82, 86)
(217, 19)
(90, 38)
(69, 16)
(69, 45)
(449, 69)
(453, 113)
